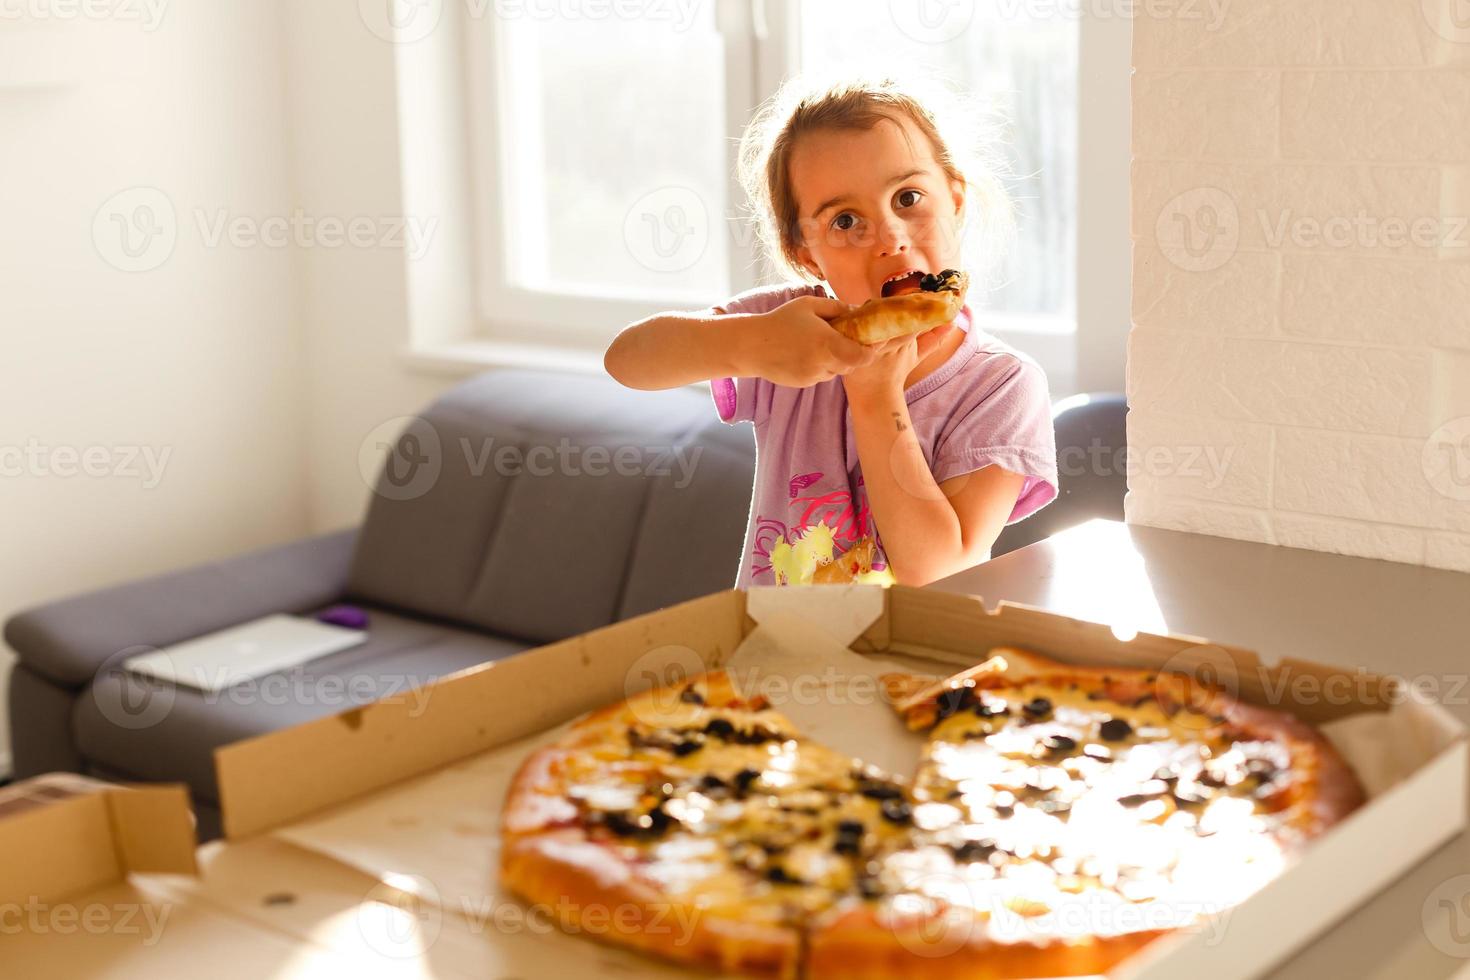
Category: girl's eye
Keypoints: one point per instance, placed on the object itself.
(909, 197)
(844, 221)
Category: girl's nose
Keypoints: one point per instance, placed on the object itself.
(893, 238)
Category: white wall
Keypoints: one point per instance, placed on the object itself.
(355, 305)
(1301, 288)
(197, 358)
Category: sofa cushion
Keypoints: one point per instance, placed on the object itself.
(541, 505)
(156, 731)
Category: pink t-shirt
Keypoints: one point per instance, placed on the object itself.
(988, 403)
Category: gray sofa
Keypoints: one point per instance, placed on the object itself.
(524, 507)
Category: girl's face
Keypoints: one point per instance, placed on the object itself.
(874, 204)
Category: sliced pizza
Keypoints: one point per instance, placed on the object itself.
(1060, 818)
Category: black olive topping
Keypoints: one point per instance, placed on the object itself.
(973, 850)
(1037, 709)
(1115, 729)
(953, 701)
(710, 781)
(650, 824)
(881, 791)
(896, 811)
(1059, 744)
(687, 747)
(690, 696)
(744, 778)
(933, 282)
(756, 736)
(780, 876)
(720, 728)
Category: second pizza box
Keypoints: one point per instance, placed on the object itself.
(408, 792)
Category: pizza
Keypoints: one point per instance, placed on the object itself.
(848, 566)
(1059, 819)
(937, 301)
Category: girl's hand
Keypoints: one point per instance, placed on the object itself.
(894, 361)
(794, 345)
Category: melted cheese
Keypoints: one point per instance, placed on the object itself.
(1039, 823)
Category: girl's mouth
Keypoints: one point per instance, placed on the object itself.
(904, 284)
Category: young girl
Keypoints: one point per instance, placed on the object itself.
(900, 461)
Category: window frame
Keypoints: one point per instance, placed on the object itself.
(762, 47)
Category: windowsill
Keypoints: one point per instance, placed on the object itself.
(473, 356)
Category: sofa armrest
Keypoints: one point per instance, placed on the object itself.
(68, 641)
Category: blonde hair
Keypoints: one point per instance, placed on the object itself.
(954, 124)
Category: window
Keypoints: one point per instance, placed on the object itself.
(604, 148)
(1026, 66)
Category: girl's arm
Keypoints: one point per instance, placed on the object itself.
(669, 350)
(929, 530)
(791, 345)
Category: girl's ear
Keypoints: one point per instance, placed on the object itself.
(957, 193)
(809, 262)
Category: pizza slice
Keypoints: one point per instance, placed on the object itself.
(937, 301)
(696, 825)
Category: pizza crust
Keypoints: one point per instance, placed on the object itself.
(888, 317)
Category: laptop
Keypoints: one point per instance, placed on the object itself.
(262, 646)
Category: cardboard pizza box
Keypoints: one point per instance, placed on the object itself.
(412, 786)
(104, 880)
